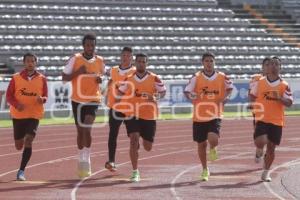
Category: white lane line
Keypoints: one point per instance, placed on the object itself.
(69, 146)
(268, 186)
(105, 142)
(287, 164)
(70, 157)
(75, 189)
(37, 141)
(173, 182)
(73, 193)
(41, 133)
(42, 163)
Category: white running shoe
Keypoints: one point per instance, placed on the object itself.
(21, 176)
(265, 176)
(84, 169)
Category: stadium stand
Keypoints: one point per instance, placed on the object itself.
(174, 33)
(293, 8)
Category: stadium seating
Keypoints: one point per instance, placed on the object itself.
(174, 33)
(292, 7)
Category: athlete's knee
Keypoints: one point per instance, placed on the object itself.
(261, 140)
(213, 142)
(19, 145)
(148, 148)
(213, 138)
(28, 140)
(147, 145)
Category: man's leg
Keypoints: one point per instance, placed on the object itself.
(260, 139)
(270, 155)
(27, 151)
(213, 140)
(134, 155)
(268, 160)
(147, 132)
(19, 132)
(87, 130)
(26, 155)
(115, 121)
(260, 142)
(79, 137)
(84, 153)
(200, 136)
(202, 153)
(274, 137)
(31, 127)
(133, 150)
(202, 156)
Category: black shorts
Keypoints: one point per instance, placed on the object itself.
(80, 110)
(24, 126)
(273, 132)
(201, 129)
(146, 128)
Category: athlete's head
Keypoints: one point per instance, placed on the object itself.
(275, 66)
(141, 61)
(30, 61)
(126, 56)
(265, 65)
(89, 44)
(208, 62)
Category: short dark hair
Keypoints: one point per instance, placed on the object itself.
(128, 49)
(29, 55)
(277, 58)
(266, 59)
(88, 36)
(208, 54)
(141, 55)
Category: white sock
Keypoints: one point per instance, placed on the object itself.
(80, 155)
(135, 170)
(86, 153)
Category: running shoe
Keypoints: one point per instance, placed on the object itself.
(135, 177)
(21, 176)
(213, 154)
(265, 176)
(111, 166)
(204, 175)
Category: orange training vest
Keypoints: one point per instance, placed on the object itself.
(26, 92)
(84, 87)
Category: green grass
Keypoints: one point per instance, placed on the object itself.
(100, 119)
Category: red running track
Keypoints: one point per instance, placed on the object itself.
(170, 171)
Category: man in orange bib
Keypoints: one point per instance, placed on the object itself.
(271, 94)
(208, 90)
(140, 93)
(117, 75)
(26, 93)
(84, 70)
(256, 77)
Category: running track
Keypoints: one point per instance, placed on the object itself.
(170, 171)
